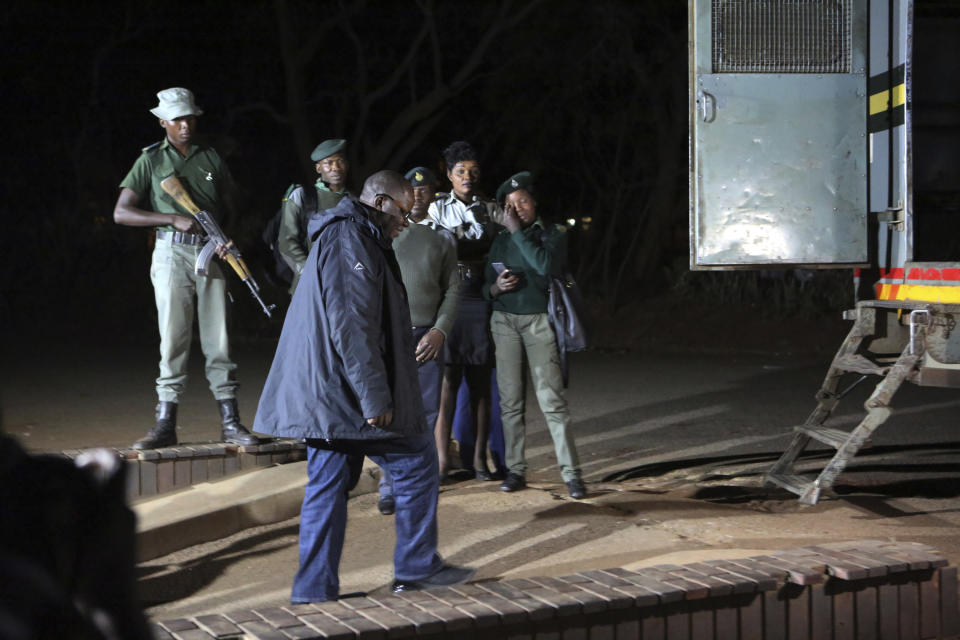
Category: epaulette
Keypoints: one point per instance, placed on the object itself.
(152, 147)
(290, 189)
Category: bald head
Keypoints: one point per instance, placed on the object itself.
(386, 182)
(391, 196)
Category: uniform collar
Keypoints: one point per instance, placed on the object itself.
(448, 199)
(322, 186)
(451, 198)
(536, 224)
(166, 145)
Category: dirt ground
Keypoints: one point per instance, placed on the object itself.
(675, 428)
(62, 391)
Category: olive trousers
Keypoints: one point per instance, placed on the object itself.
(180, 292)
(520, 337)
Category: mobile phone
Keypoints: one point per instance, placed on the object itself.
(499, 267)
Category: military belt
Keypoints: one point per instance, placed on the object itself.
(180, 236)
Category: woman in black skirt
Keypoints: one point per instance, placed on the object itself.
(469, 348)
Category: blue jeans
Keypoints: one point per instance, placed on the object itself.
(430, 375)
(412, 462)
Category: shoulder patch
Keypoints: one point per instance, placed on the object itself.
(152, 147)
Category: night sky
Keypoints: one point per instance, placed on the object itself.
(591, 97)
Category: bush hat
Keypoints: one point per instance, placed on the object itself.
(175, 102)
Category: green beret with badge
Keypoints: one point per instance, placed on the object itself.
(421, 177)
(522, 180)
(327, 148)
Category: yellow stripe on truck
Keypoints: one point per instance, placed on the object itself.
(880, 102)
(928, 293)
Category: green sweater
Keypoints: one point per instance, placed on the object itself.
(428, 267)
(535, 254)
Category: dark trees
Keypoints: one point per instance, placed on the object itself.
(589, 96)
(603, 116)
(384, 74)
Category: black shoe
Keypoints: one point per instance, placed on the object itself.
(577, 489)
(447, 576)
(513, 482)
(387, 505)
(238, 434)
(483, 473)
(164, 434)
(233, 431)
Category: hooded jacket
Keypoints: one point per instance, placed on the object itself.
(346, 351)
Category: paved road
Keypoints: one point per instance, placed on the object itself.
(672, 446)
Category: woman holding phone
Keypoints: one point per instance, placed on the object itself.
(522, 259)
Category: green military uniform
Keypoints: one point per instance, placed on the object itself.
(520, 325)
(292, 240)
(206, 178)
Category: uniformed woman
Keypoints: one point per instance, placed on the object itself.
(517, 276)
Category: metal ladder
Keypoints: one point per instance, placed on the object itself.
(847, 444)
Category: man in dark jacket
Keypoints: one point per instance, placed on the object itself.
(344, 378)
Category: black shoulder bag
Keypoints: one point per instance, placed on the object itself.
(567, 314)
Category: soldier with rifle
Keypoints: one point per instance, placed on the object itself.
(180, 240)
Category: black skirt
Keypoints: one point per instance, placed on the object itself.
(469, 341)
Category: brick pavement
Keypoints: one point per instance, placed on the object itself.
(863, 589)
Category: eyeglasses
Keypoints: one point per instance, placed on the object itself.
(405, 213)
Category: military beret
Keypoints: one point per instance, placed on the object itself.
(326, 149)
(522, 180)
(421, 177)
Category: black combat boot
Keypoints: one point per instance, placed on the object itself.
(233, 431)
(165, 433)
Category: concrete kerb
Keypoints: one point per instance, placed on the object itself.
(214, 510)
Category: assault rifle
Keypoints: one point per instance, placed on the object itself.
(215, 236)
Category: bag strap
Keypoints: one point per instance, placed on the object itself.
(310, 200)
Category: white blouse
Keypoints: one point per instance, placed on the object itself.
(463, 220)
